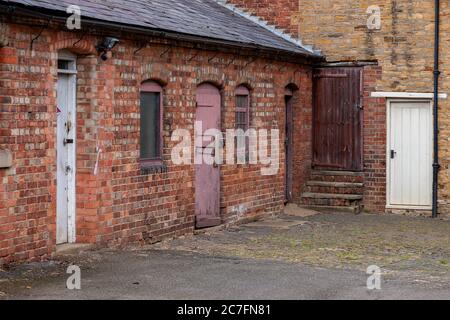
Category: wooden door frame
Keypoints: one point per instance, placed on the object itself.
(71, 152)
(389, 102)
(361, 102)
(289, 105)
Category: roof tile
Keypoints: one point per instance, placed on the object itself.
(204, 18)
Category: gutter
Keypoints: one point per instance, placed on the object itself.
(52, 15)
(436, 72)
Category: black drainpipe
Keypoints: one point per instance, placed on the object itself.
(436, 165)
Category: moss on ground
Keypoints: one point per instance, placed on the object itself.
(395, 243)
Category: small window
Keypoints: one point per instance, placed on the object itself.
(151, 123)
(67, 62)
(242, 108)
(63, 64)
(242, 121)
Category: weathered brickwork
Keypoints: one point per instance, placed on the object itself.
(121, 203)
(374, 137)
(283, 14)
(403, 49)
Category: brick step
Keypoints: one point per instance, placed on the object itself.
(330, 199)
(334, 187)
(337, 176)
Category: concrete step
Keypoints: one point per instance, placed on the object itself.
(335, 184)
(334, 187)
(332, 196)
(337, 173)
(333, 209)
(337, 176)
(330, 199)
(293, 209)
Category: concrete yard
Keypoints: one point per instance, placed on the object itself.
(323, 256)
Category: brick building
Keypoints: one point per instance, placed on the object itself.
(392, 43)
(88, 119)
(356, 128)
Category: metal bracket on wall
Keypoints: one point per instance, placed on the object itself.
(249, 63)
(164, 52)
(193, 56)
(40, 33)
(81, 38)
(141, 46)
(232, 60)
(212, 58)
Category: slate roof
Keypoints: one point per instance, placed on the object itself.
(204, 18)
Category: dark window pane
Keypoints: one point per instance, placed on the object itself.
(63, 65)
(150, 125)
(242, 102)
(242, 106)
(241, 120)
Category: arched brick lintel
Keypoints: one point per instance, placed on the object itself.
(77, 45)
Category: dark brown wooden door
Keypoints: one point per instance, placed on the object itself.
(338, 119)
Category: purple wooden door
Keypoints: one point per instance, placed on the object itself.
(207, 177)
(338, 119)
(289, 144)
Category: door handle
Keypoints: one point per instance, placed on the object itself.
(393, 153)
(68, 141)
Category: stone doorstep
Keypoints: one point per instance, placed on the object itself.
(332, 196)
(294, 210)
(335, 184)
(72, 248)
(336, 173)
(331, 209)
(229, 225)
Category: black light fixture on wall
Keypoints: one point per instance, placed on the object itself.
(105, 46)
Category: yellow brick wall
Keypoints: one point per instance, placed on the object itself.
(403, 47)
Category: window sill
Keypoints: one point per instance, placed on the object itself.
(153, 168)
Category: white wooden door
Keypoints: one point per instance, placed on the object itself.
(410, 154)
(66, 139)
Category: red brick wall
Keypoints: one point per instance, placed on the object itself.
(282, 14)
(374, 135)
(288, 15)
(302, 136)
(122, 204)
